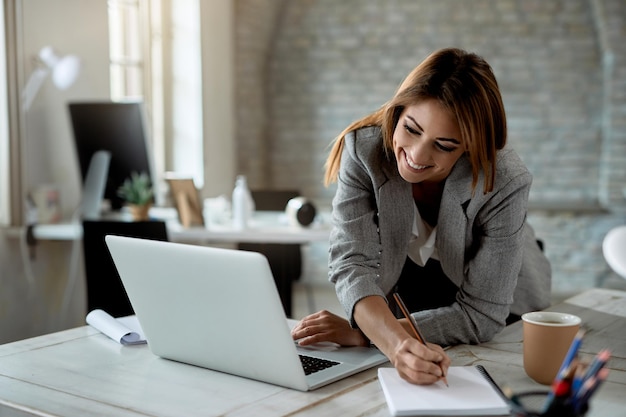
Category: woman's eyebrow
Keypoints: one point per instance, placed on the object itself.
(452, 140)
(414, 121)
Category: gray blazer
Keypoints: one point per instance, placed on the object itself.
(484, 244)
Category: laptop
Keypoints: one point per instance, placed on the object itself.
(220, 309)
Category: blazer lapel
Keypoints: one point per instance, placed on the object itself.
(452, 222)
(396, 202)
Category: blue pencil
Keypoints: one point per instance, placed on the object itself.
(578, 378)
(571, 353)
(565, 366)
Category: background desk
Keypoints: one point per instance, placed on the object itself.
(80, 372)
(265, 227)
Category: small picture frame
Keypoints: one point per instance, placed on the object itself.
(186, 200)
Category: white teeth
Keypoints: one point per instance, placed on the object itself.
(415, 166)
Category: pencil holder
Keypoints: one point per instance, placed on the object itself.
(531, 404)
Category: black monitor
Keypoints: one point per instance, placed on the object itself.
(117, 127)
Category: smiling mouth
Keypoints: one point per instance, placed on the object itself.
(414, 165)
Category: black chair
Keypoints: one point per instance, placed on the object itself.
(285, 259)
(104, 287)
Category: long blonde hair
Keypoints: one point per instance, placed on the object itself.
(464, 84)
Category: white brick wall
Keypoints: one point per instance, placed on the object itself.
(308, 68)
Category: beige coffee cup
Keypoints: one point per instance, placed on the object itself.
(548, 336)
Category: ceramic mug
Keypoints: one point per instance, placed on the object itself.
(547, 338)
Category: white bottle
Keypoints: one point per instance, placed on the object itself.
(243, 204)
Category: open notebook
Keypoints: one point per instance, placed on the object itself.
(219, 309)
(470, 393)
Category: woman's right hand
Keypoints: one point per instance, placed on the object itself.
(420, 364)
(415, 362)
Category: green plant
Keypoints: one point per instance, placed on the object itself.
(137, 189)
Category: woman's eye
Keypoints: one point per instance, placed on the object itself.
(444, 148)
(411, 130)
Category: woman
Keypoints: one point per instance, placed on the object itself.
(432, 205)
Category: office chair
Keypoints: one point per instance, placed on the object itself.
(104, 287)
(285, 259)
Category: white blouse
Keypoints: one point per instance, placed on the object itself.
(422, 243)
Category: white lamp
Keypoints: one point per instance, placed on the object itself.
(64, 72)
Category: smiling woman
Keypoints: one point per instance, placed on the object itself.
(432, 205)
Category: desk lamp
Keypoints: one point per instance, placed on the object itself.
(64, 71)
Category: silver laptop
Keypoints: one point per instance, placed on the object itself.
(220, 309)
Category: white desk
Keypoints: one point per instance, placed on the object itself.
(265, 227)
(80, 372)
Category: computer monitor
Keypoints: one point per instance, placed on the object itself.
(117, 127)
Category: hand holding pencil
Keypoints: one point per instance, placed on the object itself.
(416, 331)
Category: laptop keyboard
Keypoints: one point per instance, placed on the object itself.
(312, 364)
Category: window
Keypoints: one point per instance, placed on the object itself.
(130, 24)
(125, 49)
(143, 62)
(186, 93)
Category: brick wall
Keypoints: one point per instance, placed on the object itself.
(306, 68)
(256, 23)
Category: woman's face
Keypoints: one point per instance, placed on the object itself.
(426, 142)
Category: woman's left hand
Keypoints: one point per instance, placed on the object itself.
(325, 326)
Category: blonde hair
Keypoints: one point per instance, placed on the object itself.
(464, 84)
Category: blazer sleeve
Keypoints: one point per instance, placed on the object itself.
(355, 247)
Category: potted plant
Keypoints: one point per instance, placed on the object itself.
(137, 192)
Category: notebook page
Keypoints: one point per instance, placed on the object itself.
(469, 393)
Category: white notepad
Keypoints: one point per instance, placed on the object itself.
(468, 394)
